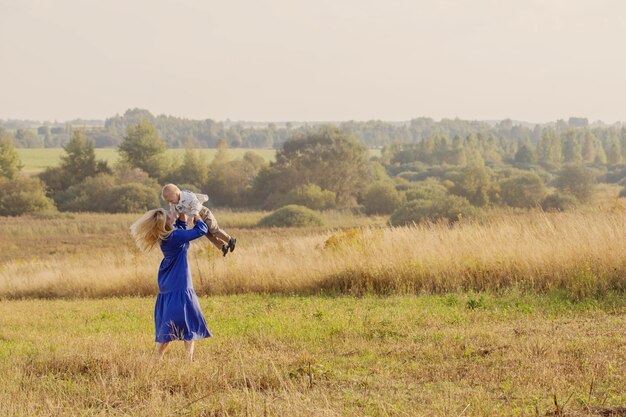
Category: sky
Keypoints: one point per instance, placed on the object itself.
(322, 60)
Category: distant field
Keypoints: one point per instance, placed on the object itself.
(36, 160)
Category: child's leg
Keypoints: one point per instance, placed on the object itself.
(217, 236)
(222, 235)
(161, 349)
(214, 240)
(189, 349)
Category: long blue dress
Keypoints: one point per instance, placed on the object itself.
(177, 314)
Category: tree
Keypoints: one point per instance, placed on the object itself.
(329, 158)
(549, 149)
(26, 138)
(577, 181)
(193, 170)
(80, 159)
(525, 190)
(22, 195)
(474, 183)
(382, 198)
(525, 154)
(10, 164)
(143, 148)
(229, 183)
(572, 148)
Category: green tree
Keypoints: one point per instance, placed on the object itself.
(572, 148)
(10, 164)
(193, 169)
(525, 190)
(474, 183)
(613, 151)
(525, 154)
(79, 162)
(577, 181)
(143, 148)
(229, 183)
(589, 147)
(329, 158)
(382, 198)
(22, 195)
(549, 151)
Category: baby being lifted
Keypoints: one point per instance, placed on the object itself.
(190, 204)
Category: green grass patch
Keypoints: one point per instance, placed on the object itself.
(301, 356)
(38, 159)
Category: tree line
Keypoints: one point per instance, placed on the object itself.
(180, 132)
(436, 177)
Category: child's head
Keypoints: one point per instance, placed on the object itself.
(151, 228)
(171, 194)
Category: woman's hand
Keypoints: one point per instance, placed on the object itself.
(182, 217)
(196, 217)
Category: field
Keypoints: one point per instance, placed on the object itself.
(522, 314)
(449, 355)
(37, 159)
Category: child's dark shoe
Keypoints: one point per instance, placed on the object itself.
(231, 243)
(224, 249)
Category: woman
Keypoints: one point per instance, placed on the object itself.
(177, 314)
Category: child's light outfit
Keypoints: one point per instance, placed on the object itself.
(190, 204)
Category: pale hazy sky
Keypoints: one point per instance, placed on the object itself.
(306, 60)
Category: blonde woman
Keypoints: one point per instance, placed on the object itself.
(177, 314)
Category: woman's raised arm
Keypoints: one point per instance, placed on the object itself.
(199, 229)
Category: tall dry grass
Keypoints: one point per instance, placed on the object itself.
(93, 256)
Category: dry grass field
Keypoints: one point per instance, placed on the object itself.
(523, 314)
(93, 255)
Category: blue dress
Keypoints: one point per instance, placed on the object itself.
(177, 314)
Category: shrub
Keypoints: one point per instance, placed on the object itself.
(130, 198)
(524, 190)
(559, 202)
(450, 207)
(429, 189)
(577, 181)
(86, 196)
(22, 196)
(292, 216)
(311, 196)
(382, 198)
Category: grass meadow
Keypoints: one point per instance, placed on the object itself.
(280, 355)
(523, 314)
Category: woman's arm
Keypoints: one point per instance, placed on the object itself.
(183, 236)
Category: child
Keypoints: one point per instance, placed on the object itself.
(191, 204)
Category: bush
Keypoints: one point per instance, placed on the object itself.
(382, 198)
(22, 196)
(292, 216)
(577, 181)
(130, 198)
(559, 202)
(86, 196)
(450, 207)
(524, 190)
(429, 189)
(102, 194)
(311, 196)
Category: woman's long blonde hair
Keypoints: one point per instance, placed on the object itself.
(152, 228)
